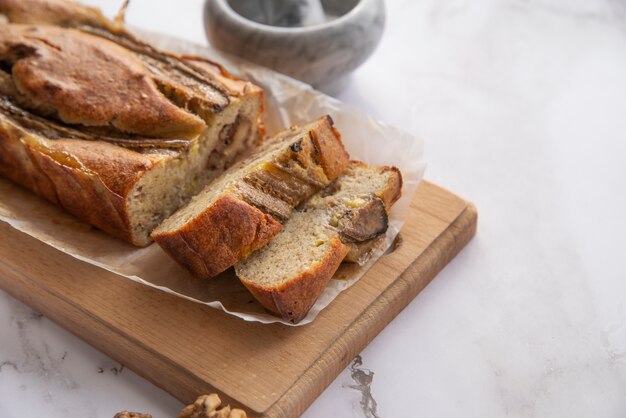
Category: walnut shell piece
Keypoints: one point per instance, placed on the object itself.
(208, 406)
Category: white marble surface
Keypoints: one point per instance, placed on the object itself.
(522, 106)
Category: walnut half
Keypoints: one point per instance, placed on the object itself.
(208, 406)
(126, 414)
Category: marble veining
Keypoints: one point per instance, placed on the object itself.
(35, 356)
(45, 371)
(363, 378)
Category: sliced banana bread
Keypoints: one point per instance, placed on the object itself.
(244, 208)
(107, 127)
(348, 217)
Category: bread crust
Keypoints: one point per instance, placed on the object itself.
(215, 239)
(49, 71)
(394, 188)
(236, 87)
(293, 300)
(335, 158)
(57, 12)
(90, 180)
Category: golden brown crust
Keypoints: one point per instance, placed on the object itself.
(225, 232)
(335, 158)
(118, 168)
(393, 191)
(86, 80)
(90, 180)
(234, 85)
(293, 300)
(56, 12)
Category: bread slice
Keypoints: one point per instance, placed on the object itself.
(348, 217)
(112, 130)
(245, 208)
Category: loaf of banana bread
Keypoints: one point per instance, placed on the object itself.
(112, 130)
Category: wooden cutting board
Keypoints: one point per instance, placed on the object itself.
(189, 349)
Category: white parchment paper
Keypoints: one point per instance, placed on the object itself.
(288, 102)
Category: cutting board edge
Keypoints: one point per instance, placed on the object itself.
(104, 337)
(317, 377)
(388, 305)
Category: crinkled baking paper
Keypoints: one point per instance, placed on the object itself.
(288, 102)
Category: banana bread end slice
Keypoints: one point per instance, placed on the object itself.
(345, 220)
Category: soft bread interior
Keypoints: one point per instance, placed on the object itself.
(357, 180)
(224, 182)
(295, 251)
(164, 188)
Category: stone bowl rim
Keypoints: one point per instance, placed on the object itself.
(235, 17)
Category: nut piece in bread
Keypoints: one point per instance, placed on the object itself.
(349, 218)
(244, 209)
(112, 130)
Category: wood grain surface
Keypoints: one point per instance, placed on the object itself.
(189, 349)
